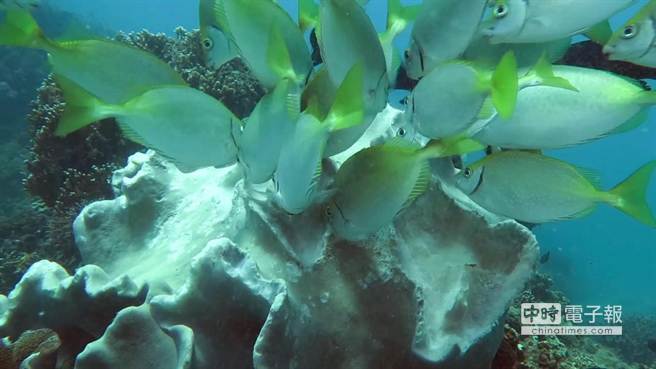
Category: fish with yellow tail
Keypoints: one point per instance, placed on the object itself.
(635, 41)
(299, 166)
(460, 98)
(547, 117)
(183, 124)
(111, 71)
(375, 184)
(533, 188)
(523, 21)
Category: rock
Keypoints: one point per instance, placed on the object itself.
(469, 264)
(135, 341)
(78, 308)
(225, 301)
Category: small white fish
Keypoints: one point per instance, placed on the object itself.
(635, 41)
(523, 21)
(534, 188)
(442, 31)
(189, 127)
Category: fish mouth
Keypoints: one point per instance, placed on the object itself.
(609, 52)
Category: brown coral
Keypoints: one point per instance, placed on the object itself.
(44, 342)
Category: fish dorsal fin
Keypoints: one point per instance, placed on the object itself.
(286, 93)
(421, 184)
(293, 104)
(591, 175)
(401, 142)
(222, 18)
(544, 71)
(316, 177)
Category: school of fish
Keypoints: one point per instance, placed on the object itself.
(484, 79)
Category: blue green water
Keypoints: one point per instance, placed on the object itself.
(605, 258)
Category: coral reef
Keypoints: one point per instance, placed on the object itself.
(77, 308)
(589, 54)
(242, 284)
(569, 352)
(632, 344)
(21, 72)
(34, 349)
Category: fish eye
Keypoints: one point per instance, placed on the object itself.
(467, 172)
(328, 212)
(629, 32)
(406, 54)
(500, 11)
(208, 43)
(402, 132)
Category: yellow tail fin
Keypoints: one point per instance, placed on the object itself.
(348, 108)
(630, 196)
(82, 108)
(20, 29)
(505, 85)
